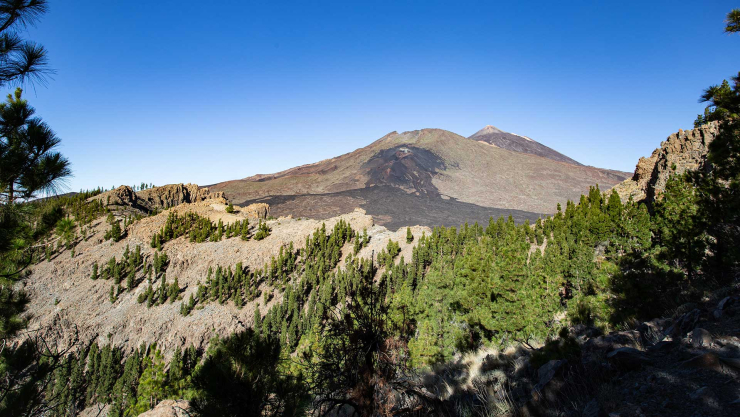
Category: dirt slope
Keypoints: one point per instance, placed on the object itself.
(63, 297)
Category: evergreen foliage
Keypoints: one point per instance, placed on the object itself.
(114, 233)
(131, 386)
(198, 228)
(262, 231)
(240, 377)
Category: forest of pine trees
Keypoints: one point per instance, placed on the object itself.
(461, 289)
(346, 335)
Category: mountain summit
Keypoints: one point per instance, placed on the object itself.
(517, 143)
(428, 177)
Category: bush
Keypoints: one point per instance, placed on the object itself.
(564, 347)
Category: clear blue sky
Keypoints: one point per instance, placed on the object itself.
(194, 91)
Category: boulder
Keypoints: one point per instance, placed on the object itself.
(548, 371)
(732, 362)
(627, 358)
(257, 211)
(547, 388)
(725, 302)
(627, 338)
(701, 338)
(722, 306)
(684, 324)
(707, 360)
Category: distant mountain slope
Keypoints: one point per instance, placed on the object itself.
(517, 143)
(425, 164)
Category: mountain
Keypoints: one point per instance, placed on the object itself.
(426, 177)
(513, 142)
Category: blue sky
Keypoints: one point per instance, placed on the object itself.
(194, 91)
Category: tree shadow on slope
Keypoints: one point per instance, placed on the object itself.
(240, 377)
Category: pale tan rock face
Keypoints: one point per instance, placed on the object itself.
(683, 151)
(257, 211)
(157, 197)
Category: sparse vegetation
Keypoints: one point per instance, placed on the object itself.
(199, 229)
(262, 231)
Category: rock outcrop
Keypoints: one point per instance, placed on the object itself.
(257, 211)
(681, 152)
(176, 194)
(157, 197)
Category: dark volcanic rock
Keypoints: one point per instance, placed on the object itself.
(390, 207)
(406, 167)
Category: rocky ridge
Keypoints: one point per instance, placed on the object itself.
(156, 197)
(683, 151)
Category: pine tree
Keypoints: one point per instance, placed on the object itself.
(174, 290)
(409, 235)
(115, 233)
(150, 296)
(257, 326)
(130, 280)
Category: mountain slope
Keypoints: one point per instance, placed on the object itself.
(517, 143)
(429, 173)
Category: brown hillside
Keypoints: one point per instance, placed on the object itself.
(513, 142)
(430, 166)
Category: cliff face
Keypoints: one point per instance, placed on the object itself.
(175, 194)
(157, 197)
(681, 152)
